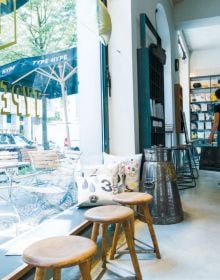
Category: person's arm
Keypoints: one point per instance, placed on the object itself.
(214, 127)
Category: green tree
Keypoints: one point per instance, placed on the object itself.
(43, 26)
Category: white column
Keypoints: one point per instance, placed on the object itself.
(89, 82)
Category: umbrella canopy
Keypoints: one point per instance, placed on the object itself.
(53, 75)
(46, 73)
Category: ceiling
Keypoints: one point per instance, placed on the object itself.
(200, 34)
(201, 38)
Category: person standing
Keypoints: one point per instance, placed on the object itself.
(216, 123)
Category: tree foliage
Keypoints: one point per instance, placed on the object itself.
(43, 26)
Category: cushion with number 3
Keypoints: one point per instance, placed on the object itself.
(99, 188)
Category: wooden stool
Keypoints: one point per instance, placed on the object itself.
(113, 214)
(137, 199)
(59, 252)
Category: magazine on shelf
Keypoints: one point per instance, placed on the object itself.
(209, 116)
(195, 107)
(208, 98)
(194, 135)
(207, 133)
(194, 125)
(201, 125)
(204, 107)
(210, 107)
(198, 97)
(194, 117)
(200, 134)
(201, 116)
(208, 125)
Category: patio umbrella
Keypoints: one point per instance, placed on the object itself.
(54, 75)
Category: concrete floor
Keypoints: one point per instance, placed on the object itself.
(190, 249)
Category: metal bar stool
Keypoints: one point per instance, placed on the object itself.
(113, 214)
(59, 252)
(141, 200)
(184, 168)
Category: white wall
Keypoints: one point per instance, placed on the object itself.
(184, 81)
(89, 82)
(205, 62)
(123, 67)
(164, 32)
(123, 105)
(121, 109)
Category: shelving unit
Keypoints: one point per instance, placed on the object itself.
(150, 91)
(202, 101)
(156, 101)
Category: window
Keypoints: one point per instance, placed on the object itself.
(42, 64)
(46, 112)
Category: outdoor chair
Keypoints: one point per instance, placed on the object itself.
(53, 178)
(7, 158)
(43, 160)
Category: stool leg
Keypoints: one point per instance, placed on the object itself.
(151, 229)
(130, 242)
(95, 231)
(104, 244)
(85, 270)
(39, 273)
(114, 241)
(57, 274)
(133, 222)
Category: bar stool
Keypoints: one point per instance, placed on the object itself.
(185, 166)
(142, 200)
(58, 252)
(113, 214)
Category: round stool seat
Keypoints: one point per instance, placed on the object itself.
(60, 251)
(132, 198)
(108, 214)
